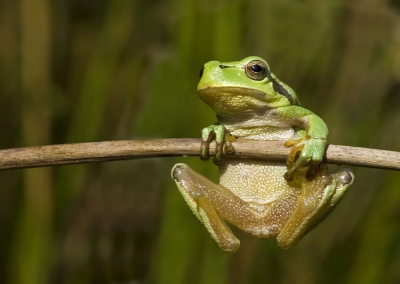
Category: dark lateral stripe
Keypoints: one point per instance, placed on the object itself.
(281, 90)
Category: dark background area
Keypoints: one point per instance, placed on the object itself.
(82, 71)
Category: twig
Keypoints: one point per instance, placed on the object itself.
(66, 154)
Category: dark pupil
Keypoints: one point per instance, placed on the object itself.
(256, 68)
(201, 72)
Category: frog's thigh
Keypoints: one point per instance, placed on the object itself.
(318, 197)
(208, 200)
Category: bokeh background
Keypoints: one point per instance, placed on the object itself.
(93, 70)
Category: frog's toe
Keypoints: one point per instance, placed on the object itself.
(289, 175)
(217, 160)
(205, 150)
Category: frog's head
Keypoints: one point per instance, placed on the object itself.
(232, 88)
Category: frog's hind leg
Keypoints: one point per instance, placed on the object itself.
(202, 195)
(318, 197)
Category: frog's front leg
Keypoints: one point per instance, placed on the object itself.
(208, 201)
(317, 198)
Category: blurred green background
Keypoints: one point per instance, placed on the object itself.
(81, 71)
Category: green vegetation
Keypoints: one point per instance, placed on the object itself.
(82, 71)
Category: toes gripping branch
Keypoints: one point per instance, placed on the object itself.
(220, 134)
(306, 153)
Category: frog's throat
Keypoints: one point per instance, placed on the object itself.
(229, 101)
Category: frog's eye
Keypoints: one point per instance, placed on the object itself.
(201, 72)
(256, 70)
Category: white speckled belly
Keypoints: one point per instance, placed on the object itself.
(254, 181)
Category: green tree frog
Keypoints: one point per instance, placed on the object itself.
(263, 198)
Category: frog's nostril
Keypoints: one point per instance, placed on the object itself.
(223, 66)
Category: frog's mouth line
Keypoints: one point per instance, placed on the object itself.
(232, 91)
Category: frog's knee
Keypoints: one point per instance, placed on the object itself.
(344, 178)
(179, 170)
(181, 173)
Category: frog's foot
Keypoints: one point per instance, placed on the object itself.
(194, 188)
(222, 139)
(306, 153)
(318, 197)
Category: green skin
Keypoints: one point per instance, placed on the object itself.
(263, 198)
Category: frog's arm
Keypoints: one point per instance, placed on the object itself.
(308, 151)
(305, 119)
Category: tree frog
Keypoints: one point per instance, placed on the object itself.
(263, 198)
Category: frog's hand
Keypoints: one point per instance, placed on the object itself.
(318, 197)
(307, 151)
(219, 133)
(202, 196)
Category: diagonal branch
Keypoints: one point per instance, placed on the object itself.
(67, 154)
